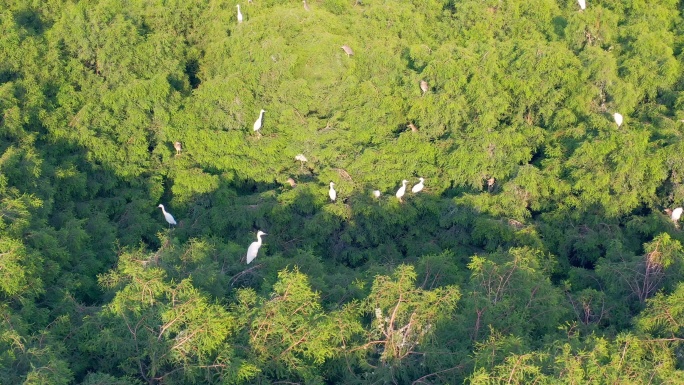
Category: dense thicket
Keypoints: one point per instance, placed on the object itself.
(539, 251)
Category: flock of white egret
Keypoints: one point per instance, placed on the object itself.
(253, 249)
(418, 187)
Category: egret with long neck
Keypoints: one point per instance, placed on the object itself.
(332, 193)
(402, 190)
(254, 247)
(167, 216)
(259, 121)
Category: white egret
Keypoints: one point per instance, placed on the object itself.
(254, 247)
(376, 193)
(306, 6)
(332, 193)
(417, 188)
(402, 190)
(178, 147)
(167, 216)
(582, 4)
(239, 14)
(675, 214)
(424, 86)
(618, 119)
(291, 182)
(257, 124)
(413, 127)
(347, 49)
(302, 159)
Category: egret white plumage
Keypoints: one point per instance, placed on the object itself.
(582, 4)
(424, 86)
(257, 124)
(402, 190)
(306, 6)
(347, 49)
(618, 119)
(254, 247)
(301, 158)
(291, 182)
(178, 147)
(239, 14)
(167, 216)
(332, 193)
(418, 187)
(676, 214)
(376, 193)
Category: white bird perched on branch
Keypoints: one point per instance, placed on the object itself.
(302, 159)
(582, 4)
(618, 119)
(402, 190)
(332, 193)
(254, 247)
(417, 188)
(239, 14)
(675, 214)
(257, 124)
(376, 193)
(167, 216)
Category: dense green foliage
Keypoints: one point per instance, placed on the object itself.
(539, 251)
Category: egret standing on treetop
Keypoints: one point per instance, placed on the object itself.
(239, 14)
(332, 193)
(675, 214)
(582, 4)
(302, 159)
(254, 247)
(402, 190)
(178, 147)
(257, 124)
(376, 193)
(618, 119)
(167, 216)
(306, 6)
(417, 188)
